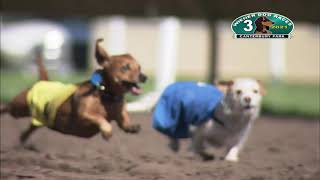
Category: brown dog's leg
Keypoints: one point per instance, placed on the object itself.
(26, 134)
(198, 145)
(124, 123)
(18, 107)
(91, 111)
(104, 126)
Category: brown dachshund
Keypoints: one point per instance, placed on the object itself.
(263, 24)
(91, 105)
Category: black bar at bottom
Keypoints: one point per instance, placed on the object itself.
(263, 36)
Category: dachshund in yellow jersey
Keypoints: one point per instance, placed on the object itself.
(86, 108)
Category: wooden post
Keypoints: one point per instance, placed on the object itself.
(210, 13)
(213, 70)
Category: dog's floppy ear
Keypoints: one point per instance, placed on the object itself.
(223, 86)
(262, 89)
(101, 55)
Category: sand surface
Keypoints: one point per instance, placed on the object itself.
(278, 148)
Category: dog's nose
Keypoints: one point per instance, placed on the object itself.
(272, 22)
(247, 99)
(142, 78)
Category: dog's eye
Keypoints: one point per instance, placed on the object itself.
(238, 92)
(125, 68)
(255, 91)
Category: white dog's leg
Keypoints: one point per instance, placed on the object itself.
(198, 143)
(174, 144)
(233, 152)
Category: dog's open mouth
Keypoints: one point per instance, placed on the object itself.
(132, 87)
(247, 107)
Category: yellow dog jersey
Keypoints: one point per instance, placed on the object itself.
(44, 98)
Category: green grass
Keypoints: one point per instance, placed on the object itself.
(281, 99)
(292, 99)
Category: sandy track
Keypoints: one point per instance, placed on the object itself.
(277, 149)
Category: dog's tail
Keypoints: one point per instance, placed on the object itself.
(43, 74)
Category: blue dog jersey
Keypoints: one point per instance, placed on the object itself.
(183, 104)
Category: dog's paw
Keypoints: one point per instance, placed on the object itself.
(233, 154)
(232, 158)
(106, 131)
(134, 128)
(207, 156)
(174, 145)
(106, 135)
(23, 138)
(30, 147)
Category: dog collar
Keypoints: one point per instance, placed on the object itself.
(96, 79)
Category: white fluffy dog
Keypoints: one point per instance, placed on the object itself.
(233, 119)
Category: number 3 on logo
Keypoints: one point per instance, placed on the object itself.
(249, 24)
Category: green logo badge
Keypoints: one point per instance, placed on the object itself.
(262, 25)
